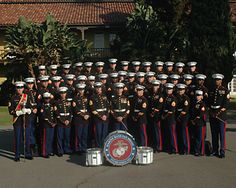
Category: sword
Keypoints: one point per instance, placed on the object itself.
(24, 103)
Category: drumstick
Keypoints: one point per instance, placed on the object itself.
(124, 125)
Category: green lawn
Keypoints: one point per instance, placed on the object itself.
(6, 119)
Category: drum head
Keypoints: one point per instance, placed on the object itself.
(119, 148)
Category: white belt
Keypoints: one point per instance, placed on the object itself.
(130, 96)
(166, 110)
(181, 109)
(215, 107)
(101, 110)
(136, 110)
(83, 111)
(64, 114)
(122, 110)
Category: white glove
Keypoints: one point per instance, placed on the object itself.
(24, 110)
(19, 112)
(28, 111)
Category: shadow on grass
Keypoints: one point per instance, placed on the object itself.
(6, 143)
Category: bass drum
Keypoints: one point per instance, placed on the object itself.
(94, 157)
(144, 156)
(119, 148)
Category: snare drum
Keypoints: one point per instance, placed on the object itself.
(119, 148)
(144, 155)
(94, 157)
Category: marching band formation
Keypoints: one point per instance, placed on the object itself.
(162, 105)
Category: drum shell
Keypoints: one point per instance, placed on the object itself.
(94, 157)
(131, 138)
(144, 155)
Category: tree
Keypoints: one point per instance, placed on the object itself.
(212, 39)
(32, 44)
(142, 36)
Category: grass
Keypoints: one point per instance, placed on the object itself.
(6, 119)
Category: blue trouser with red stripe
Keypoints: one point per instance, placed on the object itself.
(63, 140)
(18, 137)
(143, 134)
(171, 127)
(157, 135)
(47, 141)
(81, 136)
(200, 132)
(101, 131)
(218, 129)
(183, 135)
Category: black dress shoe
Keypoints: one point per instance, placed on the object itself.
(51, 154)
(216, 154)
(29, 157)
(59, 155)
(46, 156)
(197, 154)
(222, 155)
(17, 159)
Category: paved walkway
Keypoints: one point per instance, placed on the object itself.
(166, 171)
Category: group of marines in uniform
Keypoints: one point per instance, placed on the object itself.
(163, 105)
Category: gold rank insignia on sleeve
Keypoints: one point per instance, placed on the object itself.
(144, 105)
(161, 100)
(186, 103)
(173, 104)
(90, 102)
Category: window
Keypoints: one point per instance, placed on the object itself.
(99, 40)
(112, 37)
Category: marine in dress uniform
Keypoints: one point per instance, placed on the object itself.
(99, 106)
(198, 121)
(146, 66)
(78, 69)
(155, 101)
(20, 108)
(168, 117)
(63, 113)
(53, 70)
(112, 65)
(218, 100)
(179, 69)
(42, 72)
(81, 118)
(138, 113)
(32, 94)
(47, 123)
(163, 78)
(99, 69)
(65, 70)
(135, 66)
(87, 70)
(169, 67)
(182, 119)
(192, 68)
(54, 88)
(42, 88)
(200, 79)
(159, 67)
(120, 108)
(124, 66)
